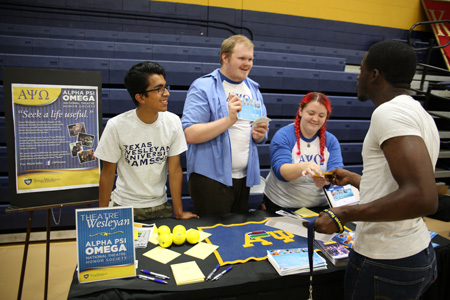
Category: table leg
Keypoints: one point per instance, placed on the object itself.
(47, 255)
(25, 254)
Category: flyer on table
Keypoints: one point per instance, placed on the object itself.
(105, 243)
(56, 132)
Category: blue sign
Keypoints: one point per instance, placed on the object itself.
(105, 243)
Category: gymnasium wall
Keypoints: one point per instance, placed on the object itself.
(346, 24)
(399, 14)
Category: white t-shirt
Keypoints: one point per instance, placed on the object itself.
(392, 240)
(301, 191)
(239, 132)
(140, 151)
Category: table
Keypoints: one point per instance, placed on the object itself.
(252, 280)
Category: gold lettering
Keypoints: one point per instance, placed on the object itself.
(249, 242)
(287, 237)
(439, 28)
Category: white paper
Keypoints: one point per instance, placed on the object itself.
(263, 119)
(295, 226)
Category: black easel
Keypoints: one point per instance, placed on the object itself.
(30, 211)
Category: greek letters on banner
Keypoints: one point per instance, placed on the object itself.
(437, 11)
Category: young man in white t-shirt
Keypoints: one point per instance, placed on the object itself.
(144, 144)
(392, 256)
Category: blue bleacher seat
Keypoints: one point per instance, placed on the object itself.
(4, 191)
(49, 46)
(176, 101)
(121, 50)
(133, 37)
(286, 105)
(351, 153)
(133, 51)
(3, 160)
(2, 130)
(350, 56)
(344, 130)
(85, 63)
(274, 105)
(168, 53)
(267, 77)
(28, 61)
(94, 49)
(200, 41)
(348, 130)
(101, 35)
(354, 168)
(116, 101)
(67, 33)
(2, 106)
(337, 82)
(264, 155)
(301, 79)
(16, 44)
(165, 39)
(350, 107)
(205, 54)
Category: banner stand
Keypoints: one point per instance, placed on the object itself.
(30, 210)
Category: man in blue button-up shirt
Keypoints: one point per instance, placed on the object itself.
(222, 157)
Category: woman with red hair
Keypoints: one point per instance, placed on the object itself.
(298, 152)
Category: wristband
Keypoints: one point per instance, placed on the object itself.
(336, 220)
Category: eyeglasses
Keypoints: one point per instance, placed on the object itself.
(160, 90)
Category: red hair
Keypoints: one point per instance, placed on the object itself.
(322, 99)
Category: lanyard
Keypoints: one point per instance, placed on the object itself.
(310, 255)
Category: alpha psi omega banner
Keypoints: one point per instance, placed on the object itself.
(239, 243)
(105, 243)
(56, 132)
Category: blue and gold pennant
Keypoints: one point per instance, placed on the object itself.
(239, 243)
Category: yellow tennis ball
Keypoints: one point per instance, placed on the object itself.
(178, 238)
(179, 228)
(163, 229)
(192, 236)
(179, 234)
(165, 240)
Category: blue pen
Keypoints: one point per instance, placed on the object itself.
(221, 274)
(143, 277)
(161, 276)
(293, 213)
(212, 273)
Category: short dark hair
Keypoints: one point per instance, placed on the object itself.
(395, 60)
(136, 79)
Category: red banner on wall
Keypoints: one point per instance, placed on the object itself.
(439, 11)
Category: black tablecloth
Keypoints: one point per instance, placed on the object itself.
(251, 280)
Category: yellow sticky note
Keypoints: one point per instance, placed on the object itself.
(161, 255)
(186, 273)
(201, 250)
(154, 237)
(305, 212)
(203, 235)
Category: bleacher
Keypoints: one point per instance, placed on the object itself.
(285, 74)
(285, 71)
